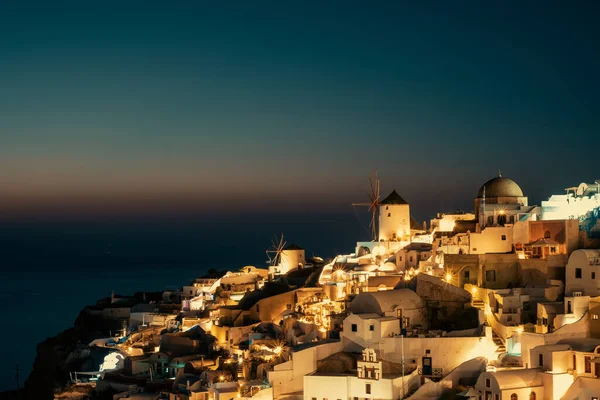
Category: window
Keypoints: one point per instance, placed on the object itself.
(593, 275)
(411, 259)
(541, 360)
(400, 258)
(368, 388)
(354, 328)
(497, 396)
(594, 316)
(588, 365)
(574, 361)
(501, 219)
(314, 398)
(490, 276)
(467, 275)
(503, 237)
(257, 308)
(487, 382)
(289, 306)
(371, 328)
(532, 396)
(578, 273)
(547, 235)
(514, 396)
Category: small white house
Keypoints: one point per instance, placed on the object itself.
(583, 273)
(517, 384)
(370, 382)
(370, 328)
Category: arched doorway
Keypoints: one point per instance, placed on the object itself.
(502, 219)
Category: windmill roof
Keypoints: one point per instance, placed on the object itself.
(292, 246)
(394, 198)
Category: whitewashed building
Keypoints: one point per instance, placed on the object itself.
(370, 382)
(583, 273)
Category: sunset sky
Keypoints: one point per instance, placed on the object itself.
(201, 107)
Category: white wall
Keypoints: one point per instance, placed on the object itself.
(394, 219)
(326, 387)
(579, 329)
(446, 352)
(585, 284)
(344, 387)
(288, 377)
(290, 259)
(364, 335)
(490, 240)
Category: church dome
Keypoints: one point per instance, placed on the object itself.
(500, 187)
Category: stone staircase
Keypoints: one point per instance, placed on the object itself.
(477, 304)
(240, 371)
(498, 342)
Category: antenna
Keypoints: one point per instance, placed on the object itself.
(373, 205)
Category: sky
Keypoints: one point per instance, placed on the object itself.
(154, 108)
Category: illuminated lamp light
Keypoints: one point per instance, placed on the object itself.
(221, 378)
(501, 212)
(277, 350)
(474, 290)
(520, 330)
(448, 277)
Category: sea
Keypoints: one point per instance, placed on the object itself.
(52, 268)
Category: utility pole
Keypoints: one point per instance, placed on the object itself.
(403, 378)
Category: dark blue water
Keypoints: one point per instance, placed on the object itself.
(51, 270)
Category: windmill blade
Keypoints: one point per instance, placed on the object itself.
(279, 246)
(373, 227)
(373, 205)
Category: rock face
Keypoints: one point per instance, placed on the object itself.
(66, 352)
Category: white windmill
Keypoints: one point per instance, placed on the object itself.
(373, 204)
(274, 252)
